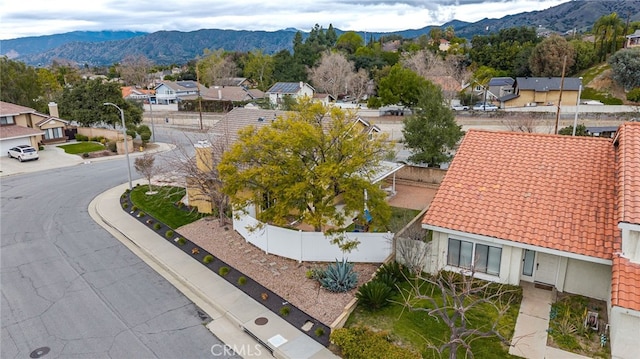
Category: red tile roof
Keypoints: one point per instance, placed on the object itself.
(628, 141)
(625, 284)
(549, 191)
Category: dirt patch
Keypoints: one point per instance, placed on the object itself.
(604, 82)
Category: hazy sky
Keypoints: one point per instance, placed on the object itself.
(21, 18)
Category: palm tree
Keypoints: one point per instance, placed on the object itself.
(608, 30)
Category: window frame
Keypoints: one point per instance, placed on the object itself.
(460, 257)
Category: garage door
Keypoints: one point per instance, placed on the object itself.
(5, 145)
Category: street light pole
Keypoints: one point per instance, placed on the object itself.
(575, 119)
(153, 130)
(124, 132)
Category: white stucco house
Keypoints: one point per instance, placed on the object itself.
(558, 210)
(294, 89)
(169, 92)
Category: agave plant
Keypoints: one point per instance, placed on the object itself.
(339, 277)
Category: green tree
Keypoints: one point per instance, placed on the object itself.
(625, 65)
(349, 42)
(51, 88)
(19, 84)
(84, 103)
(581, 130)
(549, 56)
(301, 164)
(432, 130)
(585, 55)
(401, 86)
(608, 31)
(259, 67)
(287, 69)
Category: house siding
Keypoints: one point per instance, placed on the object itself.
(599, 284)
(623, 330)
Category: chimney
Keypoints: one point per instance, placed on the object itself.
(301, 85)
(53, 109)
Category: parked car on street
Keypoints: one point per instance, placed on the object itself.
(485, 107)
(460, 108)
(23, 153)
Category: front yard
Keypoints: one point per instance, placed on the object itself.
(415, 330)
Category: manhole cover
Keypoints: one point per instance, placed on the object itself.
(261, 321)
(40, 352)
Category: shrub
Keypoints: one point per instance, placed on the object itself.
(387, 279)
(374, 295)
(605, 98)
(634, 95)
(181, 241)
(396, 270)
(207, 259)
(157, 226)
(224, 271)
(111, 145)
(314, 273)
(319, 332)
(264, 296)
(134, 208)
(339, 277)
(143, 128)
(363, 343)
(242, 280)
(40, 148)
(80, 137)
(195, 250)
(85, 155)
(125, 205)
(284, 311)
(141, 214)
(145, 136)
(131, 133)
(168, 234)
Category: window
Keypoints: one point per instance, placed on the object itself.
(485, 258)
(52, 133)
(7, 120)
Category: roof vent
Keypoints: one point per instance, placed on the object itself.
(260, 119)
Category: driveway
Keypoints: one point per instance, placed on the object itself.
(50, 157)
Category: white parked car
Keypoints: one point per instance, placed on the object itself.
(460, 108)
(23, 153)
(485, 107)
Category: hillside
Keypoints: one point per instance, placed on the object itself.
(166, 47)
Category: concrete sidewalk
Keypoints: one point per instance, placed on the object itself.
(234, 313)
(530, 334)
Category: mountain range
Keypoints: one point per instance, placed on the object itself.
(168, 47)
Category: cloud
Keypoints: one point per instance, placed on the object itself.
(19, 19)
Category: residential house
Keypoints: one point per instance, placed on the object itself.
(558, 210)
(20, 125)
(169, 92)
(500, 88)
(296, 90)
(543, 91)
(235, 81)
(227, 93)
(444, 45)
(323, 98)
(633, 40)
(138, 94)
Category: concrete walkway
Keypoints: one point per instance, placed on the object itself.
(233, 312)
(530, 334)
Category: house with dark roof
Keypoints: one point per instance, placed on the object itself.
(227, 93)
(542, 91)
(280, 90)
(557, 210)
(20, 125)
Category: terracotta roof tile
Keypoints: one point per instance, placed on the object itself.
(625, 284)
(628, 141)
(551, 191)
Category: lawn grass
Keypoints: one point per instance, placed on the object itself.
(591, 73)
(162, 205)
(82, 147)
(415, 329)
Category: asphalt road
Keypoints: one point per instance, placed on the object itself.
(72, 289)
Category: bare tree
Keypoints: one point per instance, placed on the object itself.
(450, 297)
(412, 249)
(215, 67)
(358, 84)
(145, 166)
(332, 73)
(134, 70)
(201, 172)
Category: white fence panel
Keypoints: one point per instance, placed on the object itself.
(284, 242)
(312, 246)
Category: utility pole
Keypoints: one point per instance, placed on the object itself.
(564, 64)
(199, 97)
